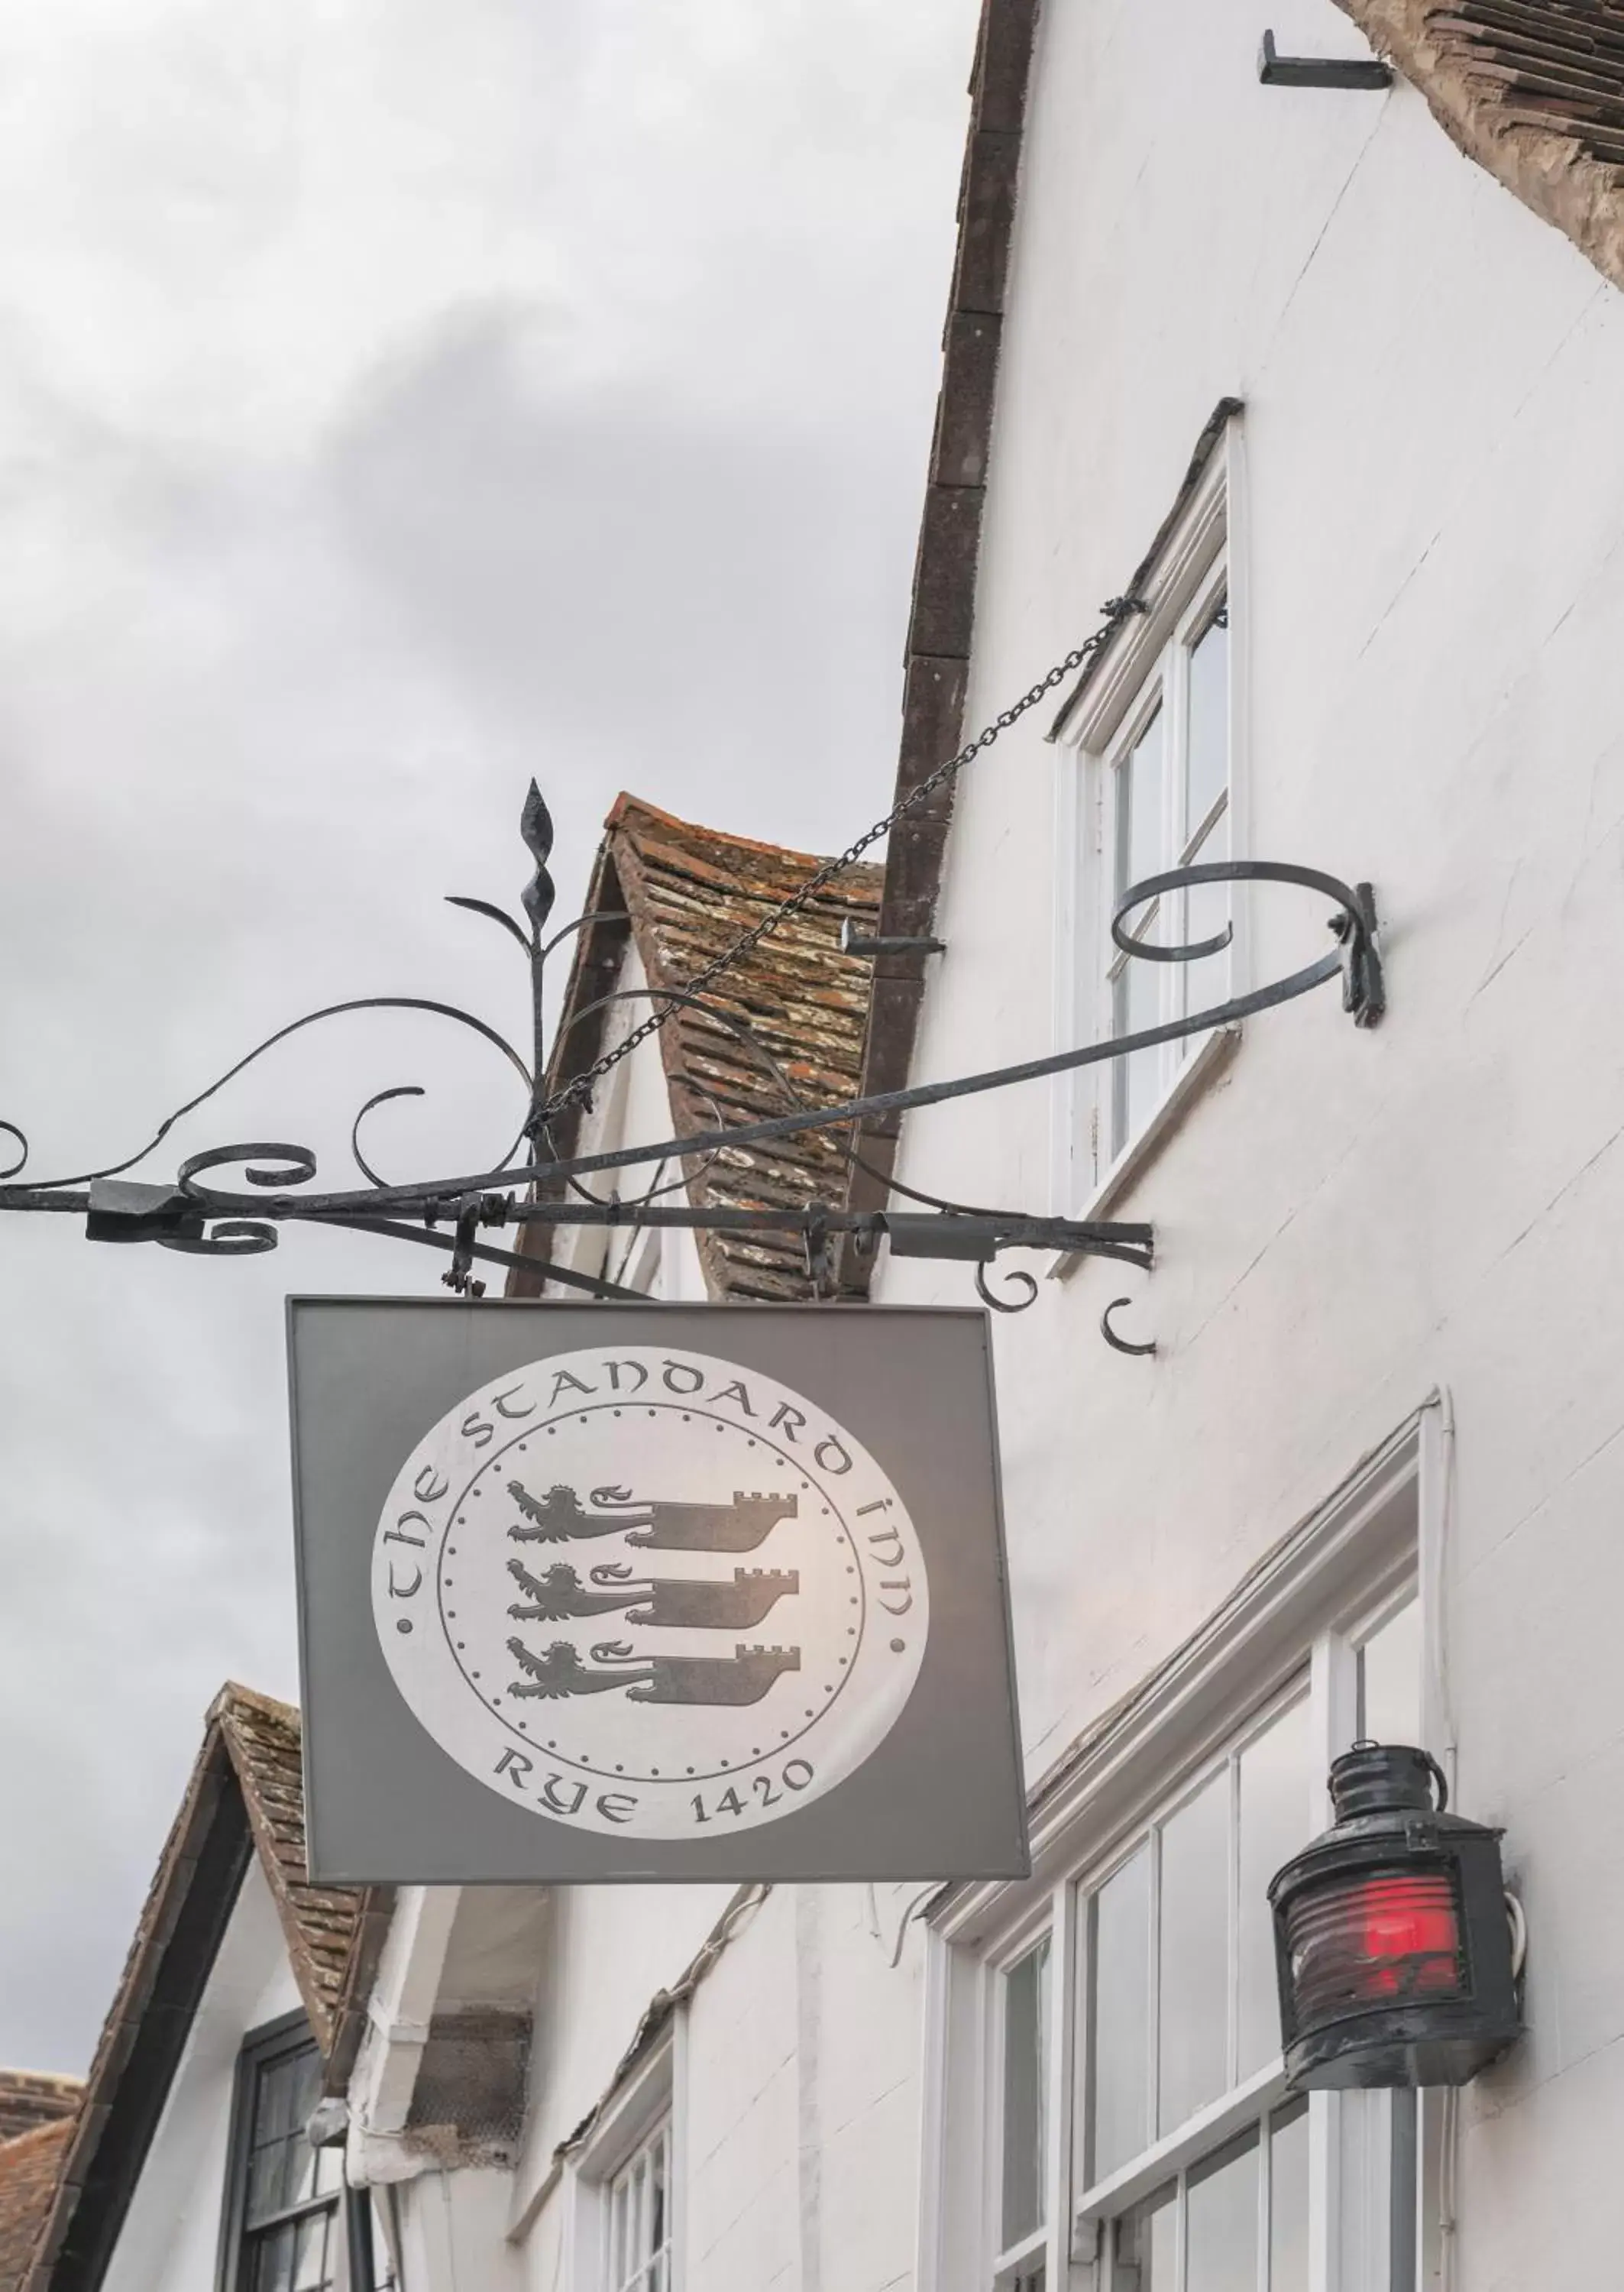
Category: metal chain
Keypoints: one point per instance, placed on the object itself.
(1116, 610)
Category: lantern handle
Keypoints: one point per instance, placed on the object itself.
(1369, 1743)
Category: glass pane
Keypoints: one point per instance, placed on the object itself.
(1288, 2199)
(273, 2261)
(1206, 914)
(329, 2169)
(1274, 1785)
(1025, 2080)
(1136, 1081)
(1194, 1955)
(1390, 1679)
(1119, 2017)
(1147, 2245)
(310, 2263)
(617, 2237)
(657, 2203)
(265, 2182)
(274, 2101)
(1207, 762)
(300, 2166)
(1221, 2221)
(1141, 839)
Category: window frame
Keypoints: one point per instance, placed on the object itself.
(288, 2033)
(647, 2100)
(1295, 1623)
(1202, 552)
(657, 2139)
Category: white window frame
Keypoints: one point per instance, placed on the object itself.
(1203, 552)
(647, 2101)
(1296, 1622)
(628, 2271)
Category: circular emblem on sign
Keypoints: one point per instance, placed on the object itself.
(654, 1594)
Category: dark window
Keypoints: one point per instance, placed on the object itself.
(284, 2229)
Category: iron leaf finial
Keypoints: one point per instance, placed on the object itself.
(535, 826)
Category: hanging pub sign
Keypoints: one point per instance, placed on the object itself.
(651, 1592)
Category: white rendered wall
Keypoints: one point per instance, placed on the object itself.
(632, 1105)
(170, 2241)
(1435, 579)
(1435, 512)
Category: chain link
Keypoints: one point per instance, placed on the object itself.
(579, 1092)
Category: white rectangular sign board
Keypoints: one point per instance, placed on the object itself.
(666, 1593)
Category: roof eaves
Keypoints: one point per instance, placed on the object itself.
(1533, 91)
(321, 1925)
(941, 617)
(1145, 571)
(182, 1922)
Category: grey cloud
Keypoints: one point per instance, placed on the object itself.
(392, 402)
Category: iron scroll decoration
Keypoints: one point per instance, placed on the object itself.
(204, 1219)
(535, 1185)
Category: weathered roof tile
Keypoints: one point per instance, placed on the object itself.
(30, 2163)
(684, 894)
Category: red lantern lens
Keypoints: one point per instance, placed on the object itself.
(1375, 1940)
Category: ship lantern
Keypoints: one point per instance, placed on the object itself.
(1392, 1939)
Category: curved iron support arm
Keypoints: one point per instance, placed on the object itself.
(194, 1216)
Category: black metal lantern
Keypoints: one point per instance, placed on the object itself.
(1392, 1942)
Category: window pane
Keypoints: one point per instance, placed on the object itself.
(273, 2268)
(1207, 762)
(617, 2237)
(1136, 1081)
(274, 2101)
(1390, 1679)
(1221, 2222)
(656, 2202)
(310, 2262)
(1206, 914)
(1025, 2079)
(1194, 1955)
(1147, 2243)
(1119, 1986)
(265, 2182)
(638, 2207)
(1288, 2199)
(1141, 841)
(1274, 1782)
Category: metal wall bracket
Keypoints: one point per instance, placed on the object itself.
(854, 941)
(1275, 70)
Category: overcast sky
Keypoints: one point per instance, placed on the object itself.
(397, 398)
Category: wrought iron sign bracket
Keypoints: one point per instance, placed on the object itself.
(535, 1185)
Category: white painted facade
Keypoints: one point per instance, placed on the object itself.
(1386, 1260)
(170, 2239)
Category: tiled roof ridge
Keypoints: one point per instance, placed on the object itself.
(29, 2098)
(681, 894)
(802, 998)
(628, 811)
(234, 1694)
(265, 1740)
(1533, 91)
(49, 2129)
(30, 2168)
